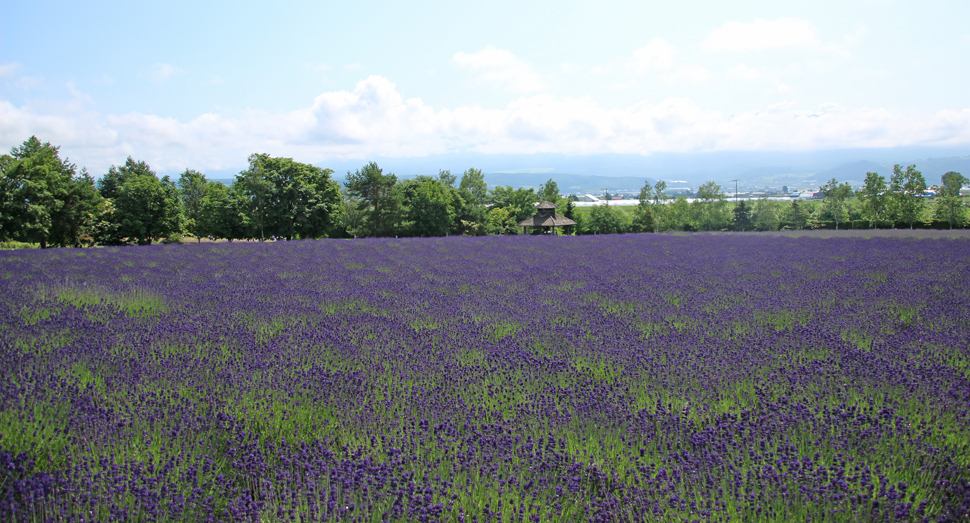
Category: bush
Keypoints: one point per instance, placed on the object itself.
(18, 245)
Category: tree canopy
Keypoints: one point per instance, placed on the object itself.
(43, 198)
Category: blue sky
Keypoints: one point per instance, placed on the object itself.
(204, 84)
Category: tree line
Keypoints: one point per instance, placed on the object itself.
(46, 200)
(899, 201)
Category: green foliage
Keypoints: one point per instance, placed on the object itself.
(949, 205)
(549, 191)
(834, 204)
(379, 198)
(951, 183)
(604, 219)
(501, 221)
(221, 213)
(143, 207)
(192, 189)
(766, 215)
(520, 203)
(643, 219)
(709, 211)
(678, 216)
(652, 214)
(430, 210)
(742, 216)
(473, 181)
(796, 215)
(875, 202)
(42, 198)
(907, 188)
(446, 178)
(288, 199)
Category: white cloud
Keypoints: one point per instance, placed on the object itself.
(745, 73)
(766, 35)
(161, 72)
(374, 119)
(28, 83)
(657, 55)
(8, 69)
(502, 69)
(353, 67)
(570, 68)
(687, 74)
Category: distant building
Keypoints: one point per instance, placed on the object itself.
(590, 198)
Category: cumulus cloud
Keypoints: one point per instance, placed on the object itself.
(687, 73)
(8, 69)
(657, 55)
(500, 68)
(161, 72)
(766, 35)
(375, 119)
(745, 73)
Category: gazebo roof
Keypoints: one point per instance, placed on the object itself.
(546, 220)
(546, 205)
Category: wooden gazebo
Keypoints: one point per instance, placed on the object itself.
(546, 218)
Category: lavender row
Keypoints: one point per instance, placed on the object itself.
(616, 378)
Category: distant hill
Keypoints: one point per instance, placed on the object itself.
(627, 172)
(569, 183)
(932, 169)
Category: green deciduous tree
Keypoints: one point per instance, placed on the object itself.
(907, 188)
(643, 219)
(192, 190)
(289, 199)
(549, 191)
(949, 204)
(520, 203)
(145, 207)
(875, 201)
(605, 219)
(795, 215)
(653, 199)
(833, 206)
(501, 221)
(765, 215)
(430, 206)
(44, 199)
(709, 209)
(473, 181)
(446, 178)
(221, 213)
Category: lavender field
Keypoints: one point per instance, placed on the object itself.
(600, 378)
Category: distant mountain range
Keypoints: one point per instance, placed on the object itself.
(629, 172)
